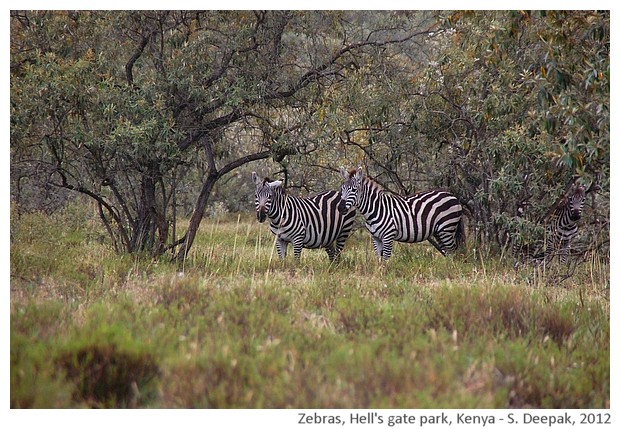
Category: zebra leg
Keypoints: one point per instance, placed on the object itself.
(388, 242)
(337, 249)
(377, 244)
(331, 252)
(563, 252)
(281, 245)
(338, 246)
(446, 240)
(297, 246)
(551, 250)
(437, 246)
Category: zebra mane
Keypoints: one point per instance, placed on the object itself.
(370, 183)
(267, 181)
(276, 189)
(580, 190)
(352, 172)
(559, 203)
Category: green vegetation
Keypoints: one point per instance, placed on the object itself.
(234, 327)
(157, 118)
(160, 116)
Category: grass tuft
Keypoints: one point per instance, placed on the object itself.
(105, 376)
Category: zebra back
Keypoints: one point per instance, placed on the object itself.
(316, 217)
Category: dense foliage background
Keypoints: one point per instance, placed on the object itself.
(156, 116)
(129, 128)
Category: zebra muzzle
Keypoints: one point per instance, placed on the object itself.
(261, 215)
(342, 207)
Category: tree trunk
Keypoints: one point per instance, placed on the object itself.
(197, 215)
(150, 228)
(201, 204)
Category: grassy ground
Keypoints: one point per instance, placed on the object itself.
(234, 327)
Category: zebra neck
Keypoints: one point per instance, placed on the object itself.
(368, 199)
(278, 206)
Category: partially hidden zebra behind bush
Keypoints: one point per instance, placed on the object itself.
(436, 216)
(310, 223)
(561, 227)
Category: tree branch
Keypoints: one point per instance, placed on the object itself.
(134, 58)
(243, 160)
(100, 201)
(314, 74)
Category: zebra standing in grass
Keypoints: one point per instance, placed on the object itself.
(435, 216)
(309, 223)
(561, 224)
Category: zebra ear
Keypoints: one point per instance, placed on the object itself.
(255, 178)
(359, 173)
(344, 173)
(275, 184)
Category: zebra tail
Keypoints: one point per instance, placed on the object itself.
(460, 233)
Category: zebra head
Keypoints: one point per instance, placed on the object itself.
(264, 196)
(349, 189)
(575, 202)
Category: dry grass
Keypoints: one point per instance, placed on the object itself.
(236, 327)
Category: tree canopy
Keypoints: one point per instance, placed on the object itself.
(505, 109)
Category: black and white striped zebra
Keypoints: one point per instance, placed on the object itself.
(560, 227)
(435, 215)
(561, 224)
(310, 223)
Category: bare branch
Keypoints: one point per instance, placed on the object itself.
(134, 58)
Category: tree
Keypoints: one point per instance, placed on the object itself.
(534, 91)
(118, 105)
(503, 108)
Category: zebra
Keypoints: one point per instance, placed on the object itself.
(433, 215)
(561, 224)
(310, 223)
(560, 227)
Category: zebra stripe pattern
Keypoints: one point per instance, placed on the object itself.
(309, 223)
(561, 224)
(435, 215)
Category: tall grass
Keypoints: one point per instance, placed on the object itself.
(234, 326)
